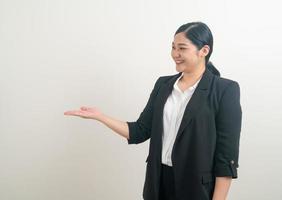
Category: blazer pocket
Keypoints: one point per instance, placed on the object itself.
(208, 184)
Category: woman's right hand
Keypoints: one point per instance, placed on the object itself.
(116, 125)
(85, 112)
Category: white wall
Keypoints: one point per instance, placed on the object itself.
(58, 55)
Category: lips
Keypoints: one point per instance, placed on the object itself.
(179, 61)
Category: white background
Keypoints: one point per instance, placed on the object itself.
(58, 55)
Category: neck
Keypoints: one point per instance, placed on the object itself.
(193, 76)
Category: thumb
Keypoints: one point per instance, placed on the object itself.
(83, 108)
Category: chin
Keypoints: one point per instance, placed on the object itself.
(179, 68)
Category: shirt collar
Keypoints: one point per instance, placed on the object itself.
(191, 88)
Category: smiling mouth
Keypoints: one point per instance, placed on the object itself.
(179, 61)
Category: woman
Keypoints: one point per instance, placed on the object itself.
(193, 121)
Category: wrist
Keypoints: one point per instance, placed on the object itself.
(101, 117)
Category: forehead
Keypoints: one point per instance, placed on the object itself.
(180, 39)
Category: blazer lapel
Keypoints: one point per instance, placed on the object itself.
(198, 98)
(164, 92)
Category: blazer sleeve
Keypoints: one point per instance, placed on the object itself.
(140, 130)
(228, 128)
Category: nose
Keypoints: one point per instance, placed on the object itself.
(175, 53)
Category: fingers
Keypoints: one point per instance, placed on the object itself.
(68, 113)
(72, 112)
(80, 112)
(76, 112)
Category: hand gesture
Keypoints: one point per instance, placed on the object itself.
(85, 112)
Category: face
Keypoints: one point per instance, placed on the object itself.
(186, 55)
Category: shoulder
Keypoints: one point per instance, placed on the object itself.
(226, 90)
(222, 84)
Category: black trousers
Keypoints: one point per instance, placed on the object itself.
(167, 188)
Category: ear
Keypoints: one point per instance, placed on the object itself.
(204, 50)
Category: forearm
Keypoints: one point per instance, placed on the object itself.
(222, 185)
(118, 126)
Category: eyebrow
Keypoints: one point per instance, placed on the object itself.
(179, 44)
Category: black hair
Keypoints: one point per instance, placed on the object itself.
(200, 34)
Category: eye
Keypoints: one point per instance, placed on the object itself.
(181, 48)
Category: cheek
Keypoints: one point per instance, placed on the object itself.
(187, 57)
(191, 56)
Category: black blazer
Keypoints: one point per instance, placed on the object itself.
(207, 142)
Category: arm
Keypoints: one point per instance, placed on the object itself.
(228, 128)
(137, 131)
(116, 125)
(140, 130)
(134, 132)
(222, 185)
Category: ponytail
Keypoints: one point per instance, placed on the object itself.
(212, 68)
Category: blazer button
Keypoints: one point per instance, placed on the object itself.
(232, 162)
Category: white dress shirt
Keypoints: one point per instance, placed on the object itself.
(173, 112)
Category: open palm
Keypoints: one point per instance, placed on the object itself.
(85, 112)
